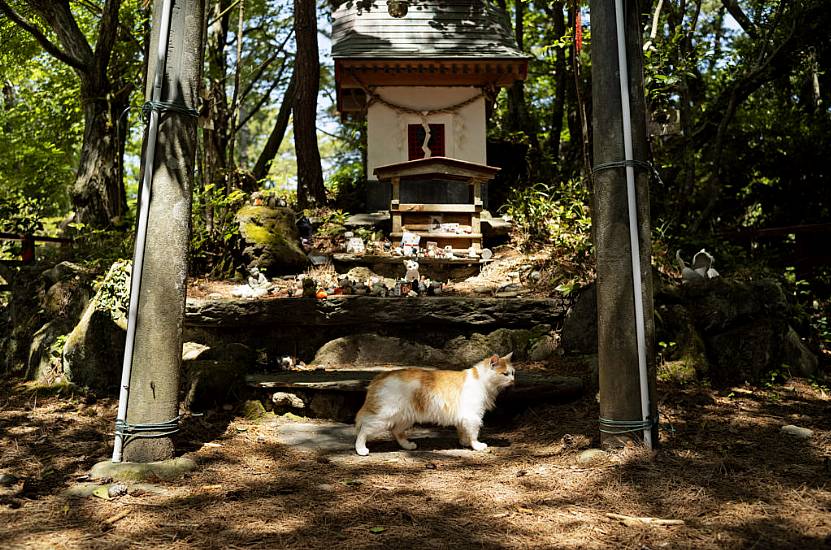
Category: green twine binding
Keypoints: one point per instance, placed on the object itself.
(624, 163)
(619, 427)
(146, 431)
(167, 107)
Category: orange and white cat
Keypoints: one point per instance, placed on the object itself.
(398, 399)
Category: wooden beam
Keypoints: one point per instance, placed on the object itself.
(449, 208)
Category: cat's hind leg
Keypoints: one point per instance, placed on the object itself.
(368, 428)
(399, 435)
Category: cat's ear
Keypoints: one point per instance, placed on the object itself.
(508, 357)
(493, 360)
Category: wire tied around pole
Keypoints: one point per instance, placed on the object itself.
(624, 163)
(146, 431)
(619, 427)
(167, 107)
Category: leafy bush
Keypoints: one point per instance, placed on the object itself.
(557, 215)
(21, 215)
(215, 235)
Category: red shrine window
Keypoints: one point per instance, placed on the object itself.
(415, 139)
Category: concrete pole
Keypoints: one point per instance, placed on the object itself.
(157, 356)
(620, 396)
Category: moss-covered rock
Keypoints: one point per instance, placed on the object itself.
(270, 239)
(94, 350)
(253, 410)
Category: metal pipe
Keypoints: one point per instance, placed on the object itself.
(637, 286)
(141, 232)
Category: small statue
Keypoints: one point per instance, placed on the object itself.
(448, 253)
(412, 271)
(702, 267)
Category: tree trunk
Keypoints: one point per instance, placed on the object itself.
(215, 137)
(98, 194)
(561, 82)
(157, 356)
(310, 190)
(275, 139)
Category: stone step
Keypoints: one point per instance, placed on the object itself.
(478, 313)
(338, 394)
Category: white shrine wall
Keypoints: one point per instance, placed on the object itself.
(464, 130)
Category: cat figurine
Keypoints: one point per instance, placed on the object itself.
(412, 271)
(398, 399)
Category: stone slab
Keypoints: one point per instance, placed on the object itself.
(334, 438)
(135, 471)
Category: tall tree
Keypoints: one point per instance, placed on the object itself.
(310, 190)
(278, 132)
(98, 194)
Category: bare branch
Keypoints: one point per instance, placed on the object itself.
(733, 8)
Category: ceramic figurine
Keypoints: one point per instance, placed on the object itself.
(471, 252)
(355, 245)
(448, 252)
(412, 271)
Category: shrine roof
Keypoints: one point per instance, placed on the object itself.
(432, 29)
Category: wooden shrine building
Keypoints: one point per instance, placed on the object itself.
(423, 81)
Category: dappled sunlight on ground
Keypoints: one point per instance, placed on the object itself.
(724, 469)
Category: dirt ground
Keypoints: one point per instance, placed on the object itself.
(724, 469)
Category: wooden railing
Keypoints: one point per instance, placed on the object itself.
(27, 252)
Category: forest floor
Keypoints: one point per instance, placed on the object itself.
(724, 469)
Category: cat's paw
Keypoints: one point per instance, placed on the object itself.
(479, 446)
(408, 445)
(363, 451)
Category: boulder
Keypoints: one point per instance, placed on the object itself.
(270, 239)
(746, 352)
(216, 375)
(682, 351)
(797, 356)
(545, 348)
(579, 334)
(719, 304)
(44, 364)
(94, 350)
(371, 350)
(468, 351)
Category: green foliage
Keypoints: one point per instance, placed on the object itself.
(549, 215)
(348, 185)
(21, 215)
(114, 289)
(215, 234)
(332, 221)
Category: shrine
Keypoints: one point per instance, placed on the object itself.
(424, 84)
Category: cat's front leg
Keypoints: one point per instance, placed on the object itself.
(404, 442)
(469, 434)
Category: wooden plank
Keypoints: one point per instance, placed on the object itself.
(438, 235)
(396, 189)
(375, 259)
(449, 208)
(427, 228)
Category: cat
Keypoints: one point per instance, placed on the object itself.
(398, 399)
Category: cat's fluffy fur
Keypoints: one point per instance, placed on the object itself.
(398, 399)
